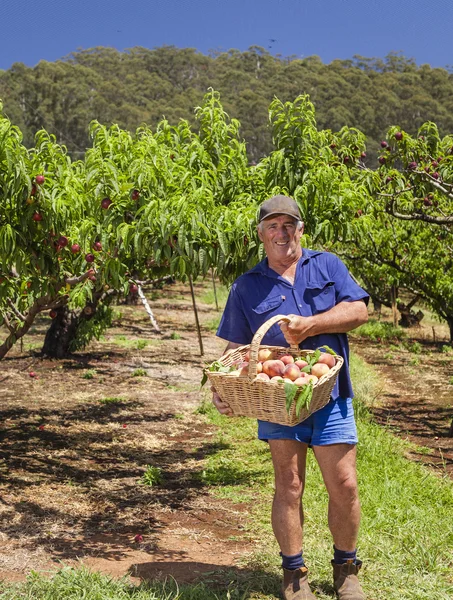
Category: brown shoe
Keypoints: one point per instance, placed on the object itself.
(295, 585)
(345, 581)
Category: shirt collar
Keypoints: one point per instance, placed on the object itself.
(264, 269)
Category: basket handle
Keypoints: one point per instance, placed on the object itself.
(256, 342)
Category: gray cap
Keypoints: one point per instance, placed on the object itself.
(279, 205)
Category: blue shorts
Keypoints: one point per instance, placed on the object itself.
(333, 424)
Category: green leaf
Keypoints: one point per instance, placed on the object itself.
(328, 349)
(305, 398)
(290, 391)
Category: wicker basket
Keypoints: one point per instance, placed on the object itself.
(266, 400)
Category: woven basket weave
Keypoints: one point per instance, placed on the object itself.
(266, 400)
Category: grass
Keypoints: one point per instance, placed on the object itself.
(152, 476)
(112, 400)
(89, 374)
(379, 331)
(208, 296)
(406, 532)
(139, 372)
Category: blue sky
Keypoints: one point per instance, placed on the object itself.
(34, 30)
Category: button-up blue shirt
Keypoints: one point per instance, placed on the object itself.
(322, 281)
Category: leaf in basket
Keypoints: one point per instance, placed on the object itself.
(306, 369)
(203, 380)
(314, 357)
(290, 392)
(305, 398)
(327, 349)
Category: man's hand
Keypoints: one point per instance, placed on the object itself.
(222, 407)
(340, 319)
(297, 330)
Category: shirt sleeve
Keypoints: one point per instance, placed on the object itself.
(346, 289)
(234, 326)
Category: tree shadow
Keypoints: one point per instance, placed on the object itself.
(108, 477)
(211, 577)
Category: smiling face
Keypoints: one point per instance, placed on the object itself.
(281, 239)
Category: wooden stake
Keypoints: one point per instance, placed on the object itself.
(148, 309)
(215, 290)
(200, 341)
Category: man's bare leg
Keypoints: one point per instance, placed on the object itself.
(289, 460)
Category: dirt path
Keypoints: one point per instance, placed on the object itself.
(73, 451)
(416, 401)
(77, 439)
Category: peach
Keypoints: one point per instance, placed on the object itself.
(312, 378)
(277, 378)
(273, 367)
(319, 369)
(287, 380)
(287, 359)
(247, 356)
(243, 369)
(259, 367)
(327, 359)
(264, 354)
(291, 372)
(263, 377)
(302, 380)
(301, 363)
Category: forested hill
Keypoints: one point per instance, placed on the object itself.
(142, 85)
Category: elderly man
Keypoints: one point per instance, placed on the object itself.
(316, 290)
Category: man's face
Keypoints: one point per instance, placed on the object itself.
(281, 238)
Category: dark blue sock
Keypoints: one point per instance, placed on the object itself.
(341, 557)
(293, 562)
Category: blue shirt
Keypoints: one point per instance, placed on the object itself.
(322, 281)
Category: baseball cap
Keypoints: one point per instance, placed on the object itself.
(279, 205)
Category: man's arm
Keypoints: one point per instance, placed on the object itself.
(340, 319)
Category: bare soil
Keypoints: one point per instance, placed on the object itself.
(74, 449)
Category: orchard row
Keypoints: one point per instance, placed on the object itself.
(180, 202)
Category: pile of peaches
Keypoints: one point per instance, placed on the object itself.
(285, 368)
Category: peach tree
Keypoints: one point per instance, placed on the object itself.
(408, 217)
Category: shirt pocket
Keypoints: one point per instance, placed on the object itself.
(264, 311)
(320, 296)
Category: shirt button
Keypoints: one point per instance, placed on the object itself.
(300, 305)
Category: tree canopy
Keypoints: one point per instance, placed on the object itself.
(143, 85)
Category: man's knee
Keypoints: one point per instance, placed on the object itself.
(288, 488)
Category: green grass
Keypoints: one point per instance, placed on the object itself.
(152, 476)
(139, 372)
(406, 532)
(213, 324)
(112, 400)
(89, 374)
(222, 294)
(379, 331)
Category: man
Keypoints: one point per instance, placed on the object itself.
(316, 290)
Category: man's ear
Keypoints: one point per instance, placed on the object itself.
(260, 235)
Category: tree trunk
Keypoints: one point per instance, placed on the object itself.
(450, 326)
(377, 307)
(61, 333)
(394, 296)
